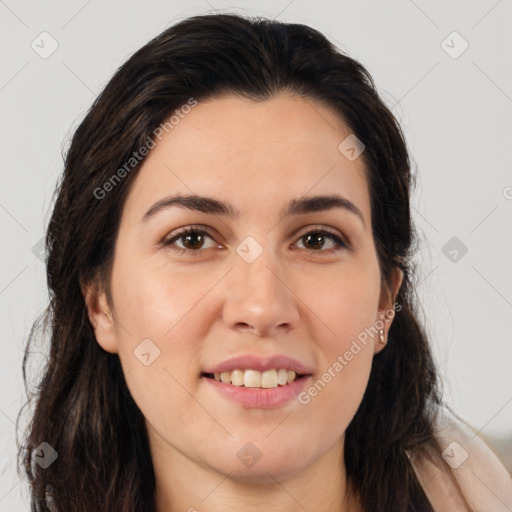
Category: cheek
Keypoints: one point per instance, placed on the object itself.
(162, 303)
(345, 338)
(160, 340)
(337, 391)
(343, 307)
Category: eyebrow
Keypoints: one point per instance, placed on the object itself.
(214, 206)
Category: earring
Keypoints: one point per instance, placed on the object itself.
(381, 336)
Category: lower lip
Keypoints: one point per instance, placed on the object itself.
(260, 398)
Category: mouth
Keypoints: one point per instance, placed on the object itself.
(269, 379)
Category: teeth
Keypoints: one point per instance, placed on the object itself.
(255, 379)
(269, 379)
(282, 377)
(237, 377)
(252, 379)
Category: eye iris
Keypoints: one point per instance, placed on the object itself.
(193, 236)
(318, 237)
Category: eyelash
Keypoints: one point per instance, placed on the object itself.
(340, 243)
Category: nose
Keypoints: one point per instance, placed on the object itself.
(260, 298)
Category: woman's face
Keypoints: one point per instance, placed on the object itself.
(261, 283)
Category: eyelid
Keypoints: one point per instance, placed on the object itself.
(320, 227)
(186, 229)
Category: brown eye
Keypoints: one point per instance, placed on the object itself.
(315, 240)
(192, 239)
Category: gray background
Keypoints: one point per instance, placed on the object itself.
(454, 107)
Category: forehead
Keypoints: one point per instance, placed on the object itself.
(259, 154)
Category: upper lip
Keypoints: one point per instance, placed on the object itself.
(255, 362)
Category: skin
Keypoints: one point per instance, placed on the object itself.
(304, 300)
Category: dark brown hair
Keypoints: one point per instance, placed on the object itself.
(83, 408)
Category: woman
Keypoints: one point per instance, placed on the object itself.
(233, 321)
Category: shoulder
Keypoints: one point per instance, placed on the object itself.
(462, 473)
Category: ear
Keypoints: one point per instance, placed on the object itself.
(99, 314)
(386, 310)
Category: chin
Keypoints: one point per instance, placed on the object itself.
(263, 473)
(265, 466)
